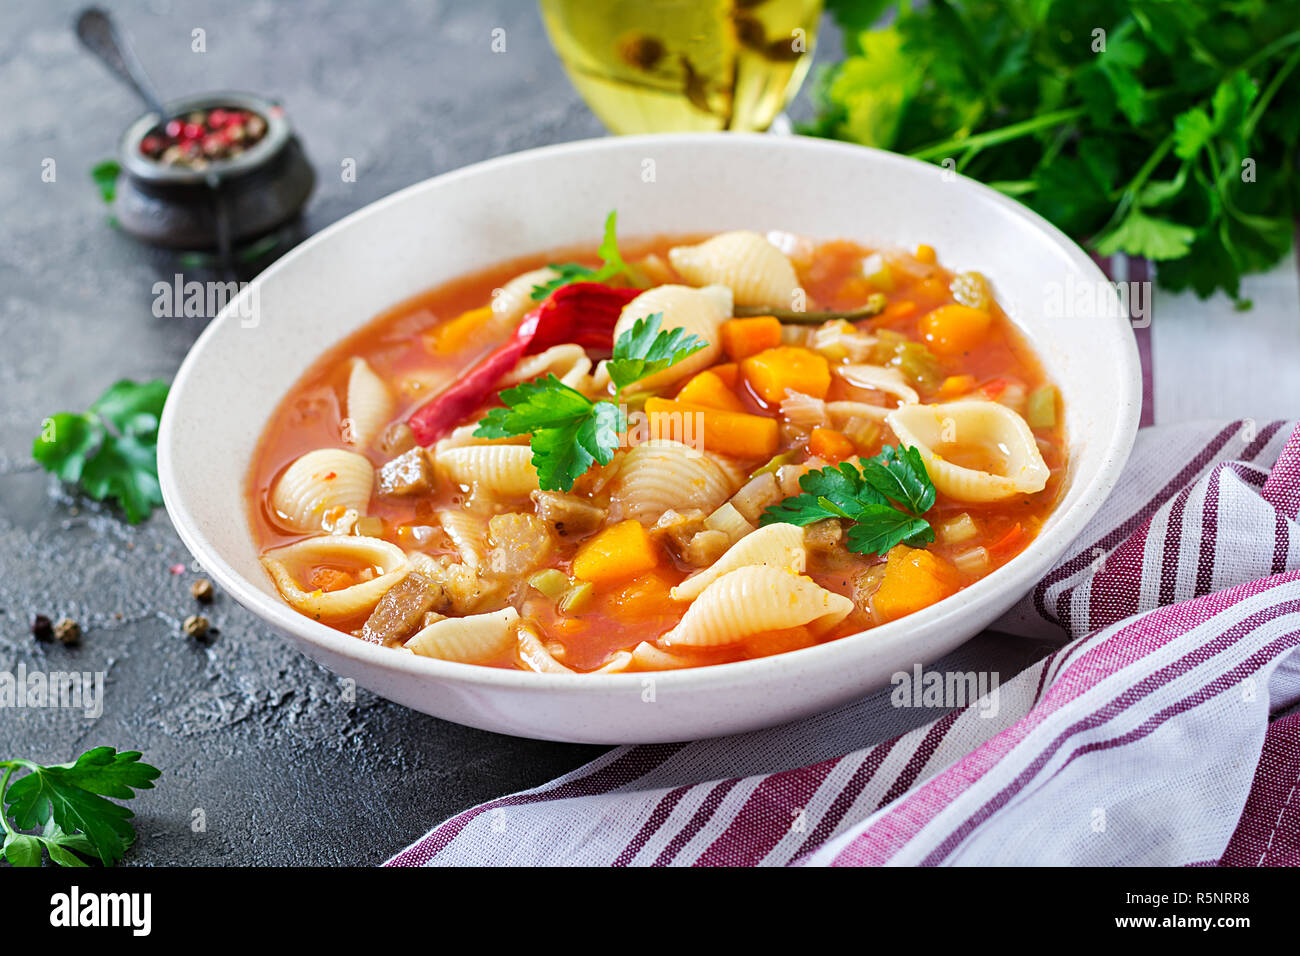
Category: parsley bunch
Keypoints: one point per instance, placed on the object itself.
(611, 259)
(569, 431)
(1166, 129)
(884, 497)
(110, 451)
(67, 802)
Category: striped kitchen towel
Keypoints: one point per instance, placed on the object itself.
(1159, 735)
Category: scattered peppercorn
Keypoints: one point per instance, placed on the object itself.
(202, 590)
(67, 631)
(196, 626)
(42, 628)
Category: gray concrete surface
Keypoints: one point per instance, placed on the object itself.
(254, 740)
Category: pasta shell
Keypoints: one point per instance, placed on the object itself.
(500, 470)
(568, 363)
(881, 378)
(468, 532)
(333, 550)
(698, 311)
(369, 406)
(753, 600)
(533, 652)
(774, 546)
(658, 475)
(974, 450)
(470, 640)
(320, 481)
(515, 299)
(756, 271)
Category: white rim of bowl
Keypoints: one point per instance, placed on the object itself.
(985, 590)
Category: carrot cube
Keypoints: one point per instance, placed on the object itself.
(618, 552)
(788, 368)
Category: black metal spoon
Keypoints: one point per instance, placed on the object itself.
(99, 35)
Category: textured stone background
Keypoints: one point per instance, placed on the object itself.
(245, 729)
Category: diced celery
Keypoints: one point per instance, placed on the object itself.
(550, 582)
(1040, 410)
(576, 600)
(917, 363)
(958, 529)
(370, 527)
(876, 271)
(777, 461)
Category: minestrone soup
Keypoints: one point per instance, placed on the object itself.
(692, 451)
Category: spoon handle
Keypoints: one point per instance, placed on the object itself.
(99, 35)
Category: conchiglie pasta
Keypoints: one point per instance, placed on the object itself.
(880, 378)
(774, 546)
(369, 405)
(975, 451)
(501, 470)
(387, 561)
(468, 532)
(470, 640)
(699, 311)
(756, 271)
(658, 475)
(568, 363)
(515, 299)
(317, 483)
(753, 600)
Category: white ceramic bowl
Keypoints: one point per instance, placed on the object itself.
(538, 200)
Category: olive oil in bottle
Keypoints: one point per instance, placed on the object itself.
(648, 66)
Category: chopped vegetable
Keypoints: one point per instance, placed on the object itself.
(708, 389)
(450, 337)
(618, 552)
(885, 498)
(551, 582)
(958, 529)
(772, 372)
(830, 445)
(876, 271)
(110, 451)
(576, 599)
(742, 338)
(730, 433)
(914, 579)
(1040, 410)
(773, 464)
(954, 329)
(925, 253)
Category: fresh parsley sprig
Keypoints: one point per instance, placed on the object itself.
(884, 497)
(612, 265)
(111, 450)
(1165, 130)
(569, 432)
(67, 803)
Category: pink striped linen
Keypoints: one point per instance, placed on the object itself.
(1165, 732)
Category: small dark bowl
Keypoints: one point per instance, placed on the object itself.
(230, 203)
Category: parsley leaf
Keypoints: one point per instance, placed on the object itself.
(569, 432)
(611, 259)
(643, 350)
(884, 496)
(68, 802)
(111, 450)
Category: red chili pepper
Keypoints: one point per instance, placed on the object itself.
(995, 387)
(581, 312)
